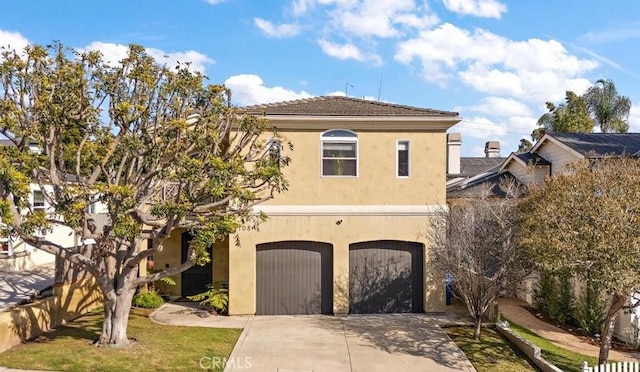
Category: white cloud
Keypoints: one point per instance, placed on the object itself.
(13, 40)
(634, 118)
(214, 2)
(249, 90)
(478, 8)
(116, 52)
(503, 107)
(281, 31)
(347, 51)
(532, 69)
(481, 127)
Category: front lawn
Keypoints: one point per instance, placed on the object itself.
(492, 353)
(158, 347)
(564, 359)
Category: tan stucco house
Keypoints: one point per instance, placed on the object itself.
(349, 234)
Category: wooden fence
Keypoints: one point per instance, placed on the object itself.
(613, 367)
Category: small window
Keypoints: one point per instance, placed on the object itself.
(402, 148)
(38, 200)
(5, 247)
(339, 153)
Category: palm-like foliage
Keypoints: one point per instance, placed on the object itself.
(572, 116)
(609, 109)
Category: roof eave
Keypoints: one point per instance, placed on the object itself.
(437, 123)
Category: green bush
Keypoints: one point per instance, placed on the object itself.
(148, 300)
(554, 297)
(589, 309)
(215, 297)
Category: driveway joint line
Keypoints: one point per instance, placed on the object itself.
(346, 341)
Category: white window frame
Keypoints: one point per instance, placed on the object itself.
(350, 139)
(408, 143)
(44, 201)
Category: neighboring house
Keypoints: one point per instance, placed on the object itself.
(349, 234)
(16, 255)
(466, 174)
(550, 156)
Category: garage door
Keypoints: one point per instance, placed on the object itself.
(294, 277)
(386, 276)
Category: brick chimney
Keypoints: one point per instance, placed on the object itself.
(492, 149)
(454, 142)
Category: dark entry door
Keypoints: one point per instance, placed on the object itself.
(294, 277)
(196, 278)
(386, 276)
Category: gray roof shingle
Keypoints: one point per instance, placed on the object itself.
(599, 144)
(342, 106)
(471, 166)
(532, 158)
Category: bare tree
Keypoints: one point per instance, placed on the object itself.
(475, 242)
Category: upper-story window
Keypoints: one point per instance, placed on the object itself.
(402, 150)
(38, 200)
(339, 153)
(5, 247)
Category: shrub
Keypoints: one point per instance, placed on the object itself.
(589, 309)
(554, 297)
(215, 297)
(148, 300)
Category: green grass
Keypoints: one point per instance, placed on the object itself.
(158, 347)
(564, 359)
(492, 353)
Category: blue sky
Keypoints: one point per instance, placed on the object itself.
(494, 61)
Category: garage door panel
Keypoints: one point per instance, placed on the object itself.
(294, 277)
(386, 277)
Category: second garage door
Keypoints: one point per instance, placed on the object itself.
(294, 277)
(386, 276)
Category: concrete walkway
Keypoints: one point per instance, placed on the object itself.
(513, 310)
(357, 343)
(16, 286)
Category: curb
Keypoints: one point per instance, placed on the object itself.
(239, 343)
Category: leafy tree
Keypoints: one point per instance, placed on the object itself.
(159, 148)
(525, 145)
(572, 116)
(609, 109)
(586, 222)
(475, 242)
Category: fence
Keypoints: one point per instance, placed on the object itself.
(613, 367)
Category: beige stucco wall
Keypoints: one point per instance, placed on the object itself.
(376, 182)
(352, 229)
(68, 302)
(172, 255)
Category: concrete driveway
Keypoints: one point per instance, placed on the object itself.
(21, 285)
(362, 343)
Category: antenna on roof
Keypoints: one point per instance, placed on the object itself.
(346, 88)
(380, 87)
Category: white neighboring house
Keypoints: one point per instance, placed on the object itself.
(16, 255)
(549, 157)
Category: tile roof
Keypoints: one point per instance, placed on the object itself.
(599, 144)
(342, 106)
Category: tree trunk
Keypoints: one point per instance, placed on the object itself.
(116, 318)
(617, 302)
(478, 326)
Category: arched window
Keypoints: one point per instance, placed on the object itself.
(339, 153)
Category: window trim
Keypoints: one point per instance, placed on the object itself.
(351, 139)
(33, 202)
(398, 142)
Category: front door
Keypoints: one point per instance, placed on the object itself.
(196, 278)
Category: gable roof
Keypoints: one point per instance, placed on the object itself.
(342, 106)
(470, 187)
(594, 145)
(525, 158)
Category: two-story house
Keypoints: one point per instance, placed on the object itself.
(349, 234)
